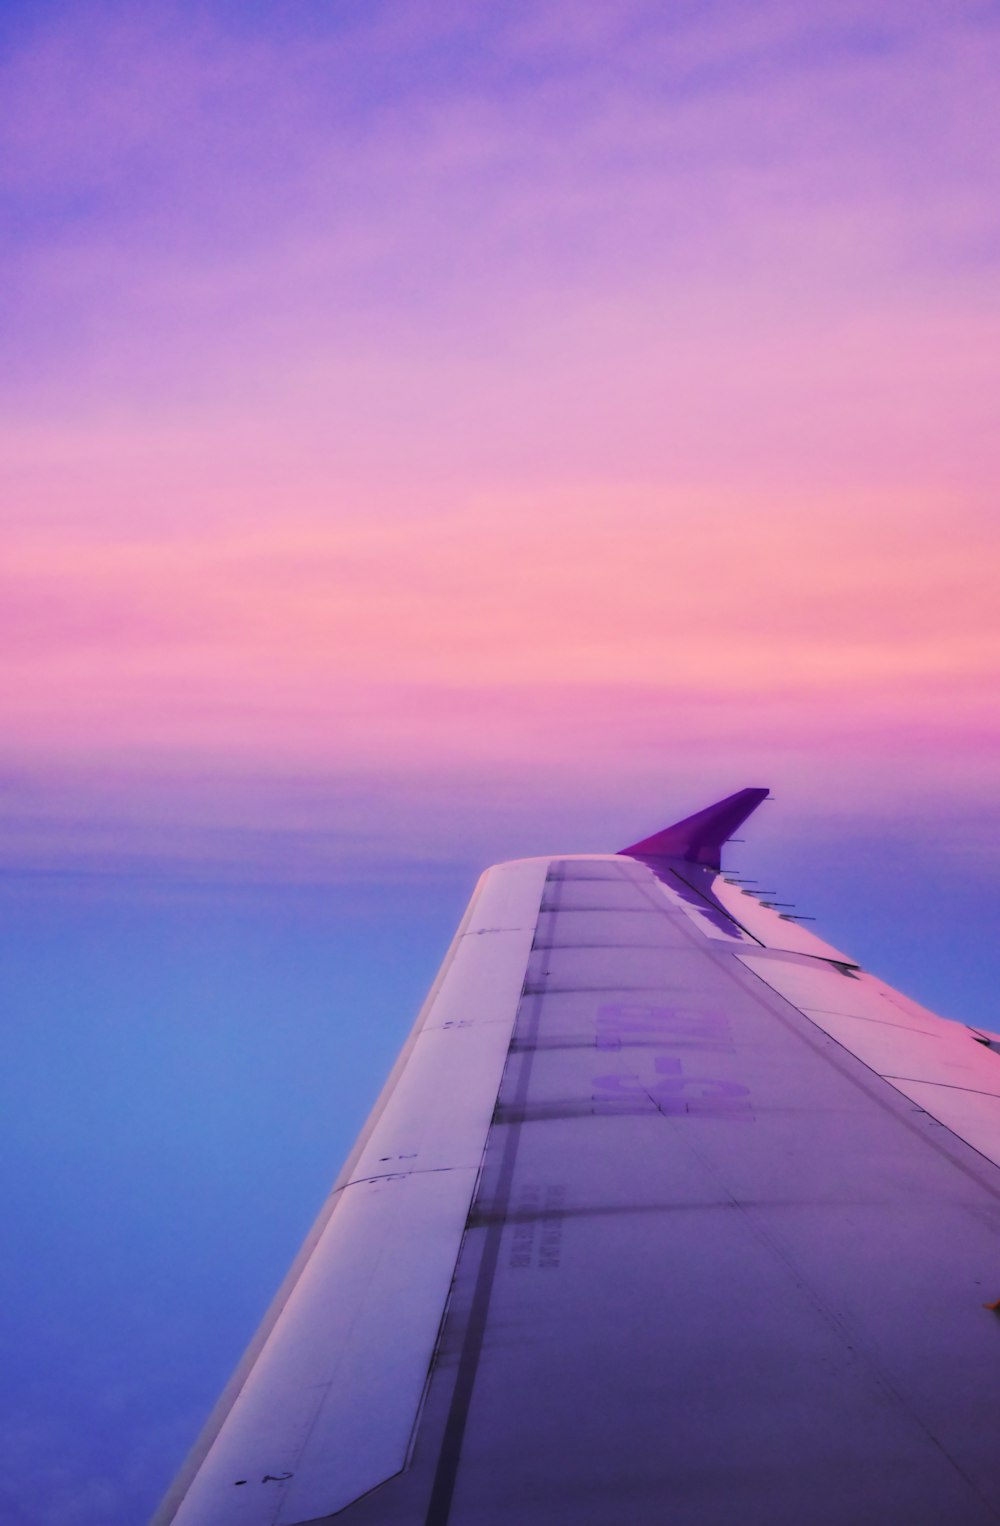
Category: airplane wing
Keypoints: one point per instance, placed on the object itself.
(668, 1212)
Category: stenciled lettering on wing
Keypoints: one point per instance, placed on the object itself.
(536, 1234)
(664, 1082)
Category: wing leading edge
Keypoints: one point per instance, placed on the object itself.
(668, 1208)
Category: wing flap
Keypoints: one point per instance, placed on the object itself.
(942, 1066)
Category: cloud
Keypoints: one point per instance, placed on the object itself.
(437, 395)
(211, 190)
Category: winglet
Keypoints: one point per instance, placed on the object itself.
(699, 838)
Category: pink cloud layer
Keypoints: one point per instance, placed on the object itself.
(624, 403)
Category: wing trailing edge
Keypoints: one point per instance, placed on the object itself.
(698, 839)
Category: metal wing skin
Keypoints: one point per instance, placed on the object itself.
(669, 1212)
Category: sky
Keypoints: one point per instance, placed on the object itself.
(432, 433)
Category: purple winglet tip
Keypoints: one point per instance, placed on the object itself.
(699, 838)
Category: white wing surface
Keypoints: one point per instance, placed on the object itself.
(668, 1212)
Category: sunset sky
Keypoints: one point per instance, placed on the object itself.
(432, 433)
